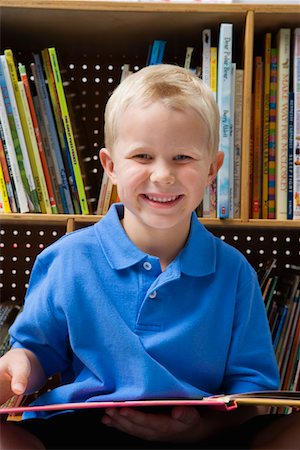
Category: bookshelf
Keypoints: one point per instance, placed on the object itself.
(94, 39)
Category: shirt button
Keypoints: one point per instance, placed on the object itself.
(153, 294)
(147, 265)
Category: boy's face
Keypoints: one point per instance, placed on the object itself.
(161, 165)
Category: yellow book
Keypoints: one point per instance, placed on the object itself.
(3, 192)
(213, 70)
(34, 156)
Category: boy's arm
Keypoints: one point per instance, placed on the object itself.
(20, 372)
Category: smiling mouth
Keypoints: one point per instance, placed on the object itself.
(161, 200)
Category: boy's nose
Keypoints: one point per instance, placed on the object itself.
(162, 174)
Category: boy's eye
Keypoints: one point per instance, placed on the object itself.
(143, 156)
(182, 157)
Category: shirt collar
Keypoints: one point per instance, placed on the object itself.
(197, 258)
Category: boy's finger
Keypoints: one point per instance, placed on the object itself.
(186, 415)
(19, 376)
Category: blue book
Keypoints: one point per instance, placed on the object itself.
(290, 177)
(224, 93)
(157, 52)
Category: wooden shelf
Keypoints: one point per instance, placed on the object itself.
(114, 31)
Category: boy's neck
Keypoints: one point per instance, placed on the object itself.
(165, 244)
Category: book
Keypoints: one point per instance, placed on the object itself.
(272, 136)
(283, 80)
(3, 192)
(257, 138)
(224, 103)
(290, 159)
(219, 402)
(188, 57)
(232, 127)
(213, 86)
(68, 130)
(296, 89)
(34, 156)
(24, 78)
(21, 196)
(206, 45)
(157, 52)
(6, 174)
(266, 122)
(237, 142)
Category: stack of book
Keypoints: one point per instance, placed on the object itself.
(275, 168)
(39, 170)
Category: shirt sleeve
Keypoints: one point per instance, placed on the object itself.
(251, 364)
(42, 326)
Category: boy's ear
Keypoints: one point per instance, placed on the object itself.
(215, 165)
(107, 163)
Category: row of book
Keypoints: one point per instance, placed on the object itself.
(216, 68)
(40, 169)
(282, 301)
(275, 192)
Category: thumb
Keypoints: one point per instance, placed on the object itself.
(185, 414)
(19, 372)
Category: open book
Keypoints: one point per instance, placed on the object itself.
(220, 402)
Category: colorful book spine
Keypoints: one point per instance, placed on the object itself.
(238, 117)
(290, 175)
(272, 136)
(34, 156)
(3, 192)
(257, 138)
(60, 129)
(213, 86)
(29, 136)
(296, 89)
(47, 141)
(214, 70)
(266, 127)
(188, 57)
(18, 137)
(7, 176)
(283, 80)
(12, 150)
(206, 44)
(69, 131)
(224, 103)
(157, 52)
(232, 126)
(52, 136)
(24, 78)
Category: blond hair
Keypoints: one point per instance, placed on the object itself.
(175, 86)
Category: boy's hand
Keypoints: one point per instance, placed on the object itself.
(14, 373)
(20, 371)
(184, 424)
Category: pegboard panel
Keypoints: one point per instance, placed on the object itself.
(20, 244)
(260, 244)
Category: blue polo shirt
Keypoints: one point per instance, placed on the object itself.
(103, 314)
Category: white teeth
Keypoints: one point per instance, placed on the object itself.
(162, 200)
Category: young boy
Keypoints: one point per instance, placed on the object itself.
(146, 303)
